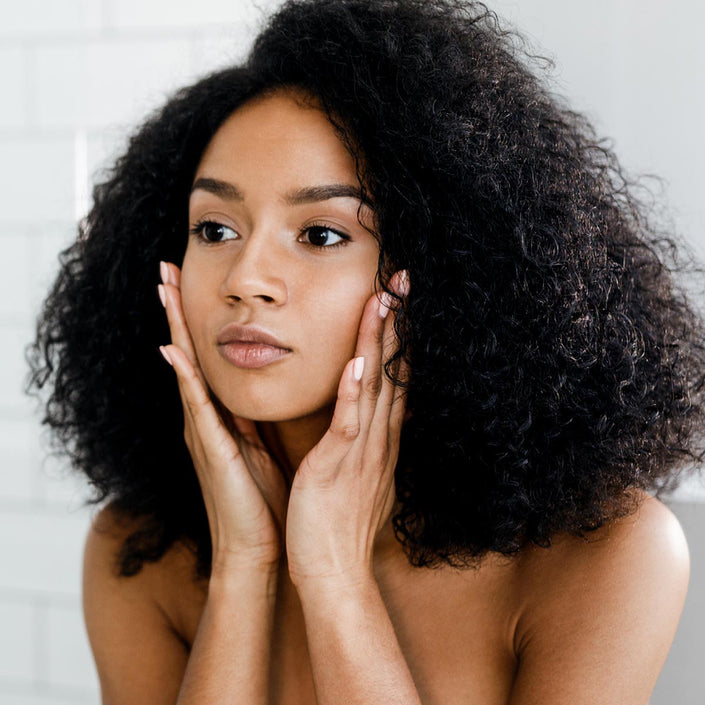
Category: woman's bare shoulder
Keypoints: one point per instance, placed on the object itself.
(604, 608)
(122, 611)
(108, 532)
(646, 541)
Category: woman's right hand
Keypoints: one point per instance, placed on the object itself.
(243, 488)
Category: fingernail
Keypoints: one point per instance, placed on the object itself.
(162, 294)
(405, 284)
(358, 367)
(164, 272)
(165, 355)
(385, 303)
(401, 286)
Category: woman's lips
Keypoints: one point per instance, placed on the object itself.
(251, 355)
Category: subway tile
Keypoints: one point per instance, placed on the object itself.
(37, 179)
(43, 551)
(38, 695)
(16, 449)
(16, 247)
(220, 48)
(13, 79)
(69, 658)
(17, 663)
(13, 370)
(691, 489)
(96, 84)
(103, 147)
(681, 680)
(125, 14)
(31, 18)
(46, 243)
(57, 484)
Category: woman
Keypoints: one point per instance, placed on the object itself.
(417, 321)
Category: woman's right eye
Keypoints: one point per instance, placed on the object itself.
(210, 231)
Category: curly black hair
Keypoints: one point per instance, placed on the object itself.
(557, 366)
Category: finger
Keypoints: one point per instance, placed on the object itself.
(248, 430)
(397, 413)
(200, 416)
(271, 480)
(393, 394)
(264, 470)
(203, 423)
(385, 402)
(384, 430)
(173, 274)
(345, 425)
(369, 346)
(171, 298)
(170, 293)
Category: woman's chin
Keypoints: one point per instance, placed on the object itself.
(272, 411)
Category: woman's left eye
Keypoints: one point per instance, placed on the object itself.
(320, 236)
(210, 231)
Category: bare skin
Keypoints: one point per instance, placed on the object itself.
(311, 599)
(580, 622)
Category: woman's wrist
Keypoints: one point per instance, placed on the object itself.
(351, 585)
(238, 573)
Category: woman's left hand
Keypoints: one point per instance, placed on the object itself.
(343, 491)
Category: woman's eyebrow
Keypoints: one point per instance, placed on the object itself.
(308, 194)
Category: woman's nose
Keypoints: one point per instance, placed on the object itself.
(254, 273)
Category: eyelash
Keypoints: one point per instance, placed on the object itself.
(199, 228)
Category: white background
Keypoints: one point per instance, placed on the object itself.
(76, 75)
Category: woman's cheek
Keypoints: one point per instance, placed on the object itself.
(193, 316)
(345, 321)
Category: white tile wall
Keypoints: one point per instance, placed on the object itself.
(56, 484)
(13, 79)
(16, 640)
(16, 443)
(13, 339)
(44, 242)
(116, 80)
(44, 546)
(70, 663)
(221, 47)
(41, 695)
(131, 14)
(77, 75)
(39, 186)
(37, 18)
(16, 244)
(636, 68)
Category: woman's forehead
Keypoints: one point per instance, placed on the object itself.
(284, 136)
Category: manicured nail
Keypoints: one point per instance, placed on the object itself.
(404, 284)
(162, 294)
(164, 272)
(165, 355)
(385, 303)
(358, 367)
(399, 283)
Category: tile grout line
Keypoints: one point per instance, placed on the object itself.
(30, 86)
(40, 643)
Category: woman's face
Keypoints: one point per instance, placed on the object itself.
(275, 244)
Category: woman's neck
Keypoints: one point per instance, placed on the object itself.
(288, 442)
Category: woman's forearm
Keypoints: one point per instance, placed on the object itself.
(355, 654)
(231, 652)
